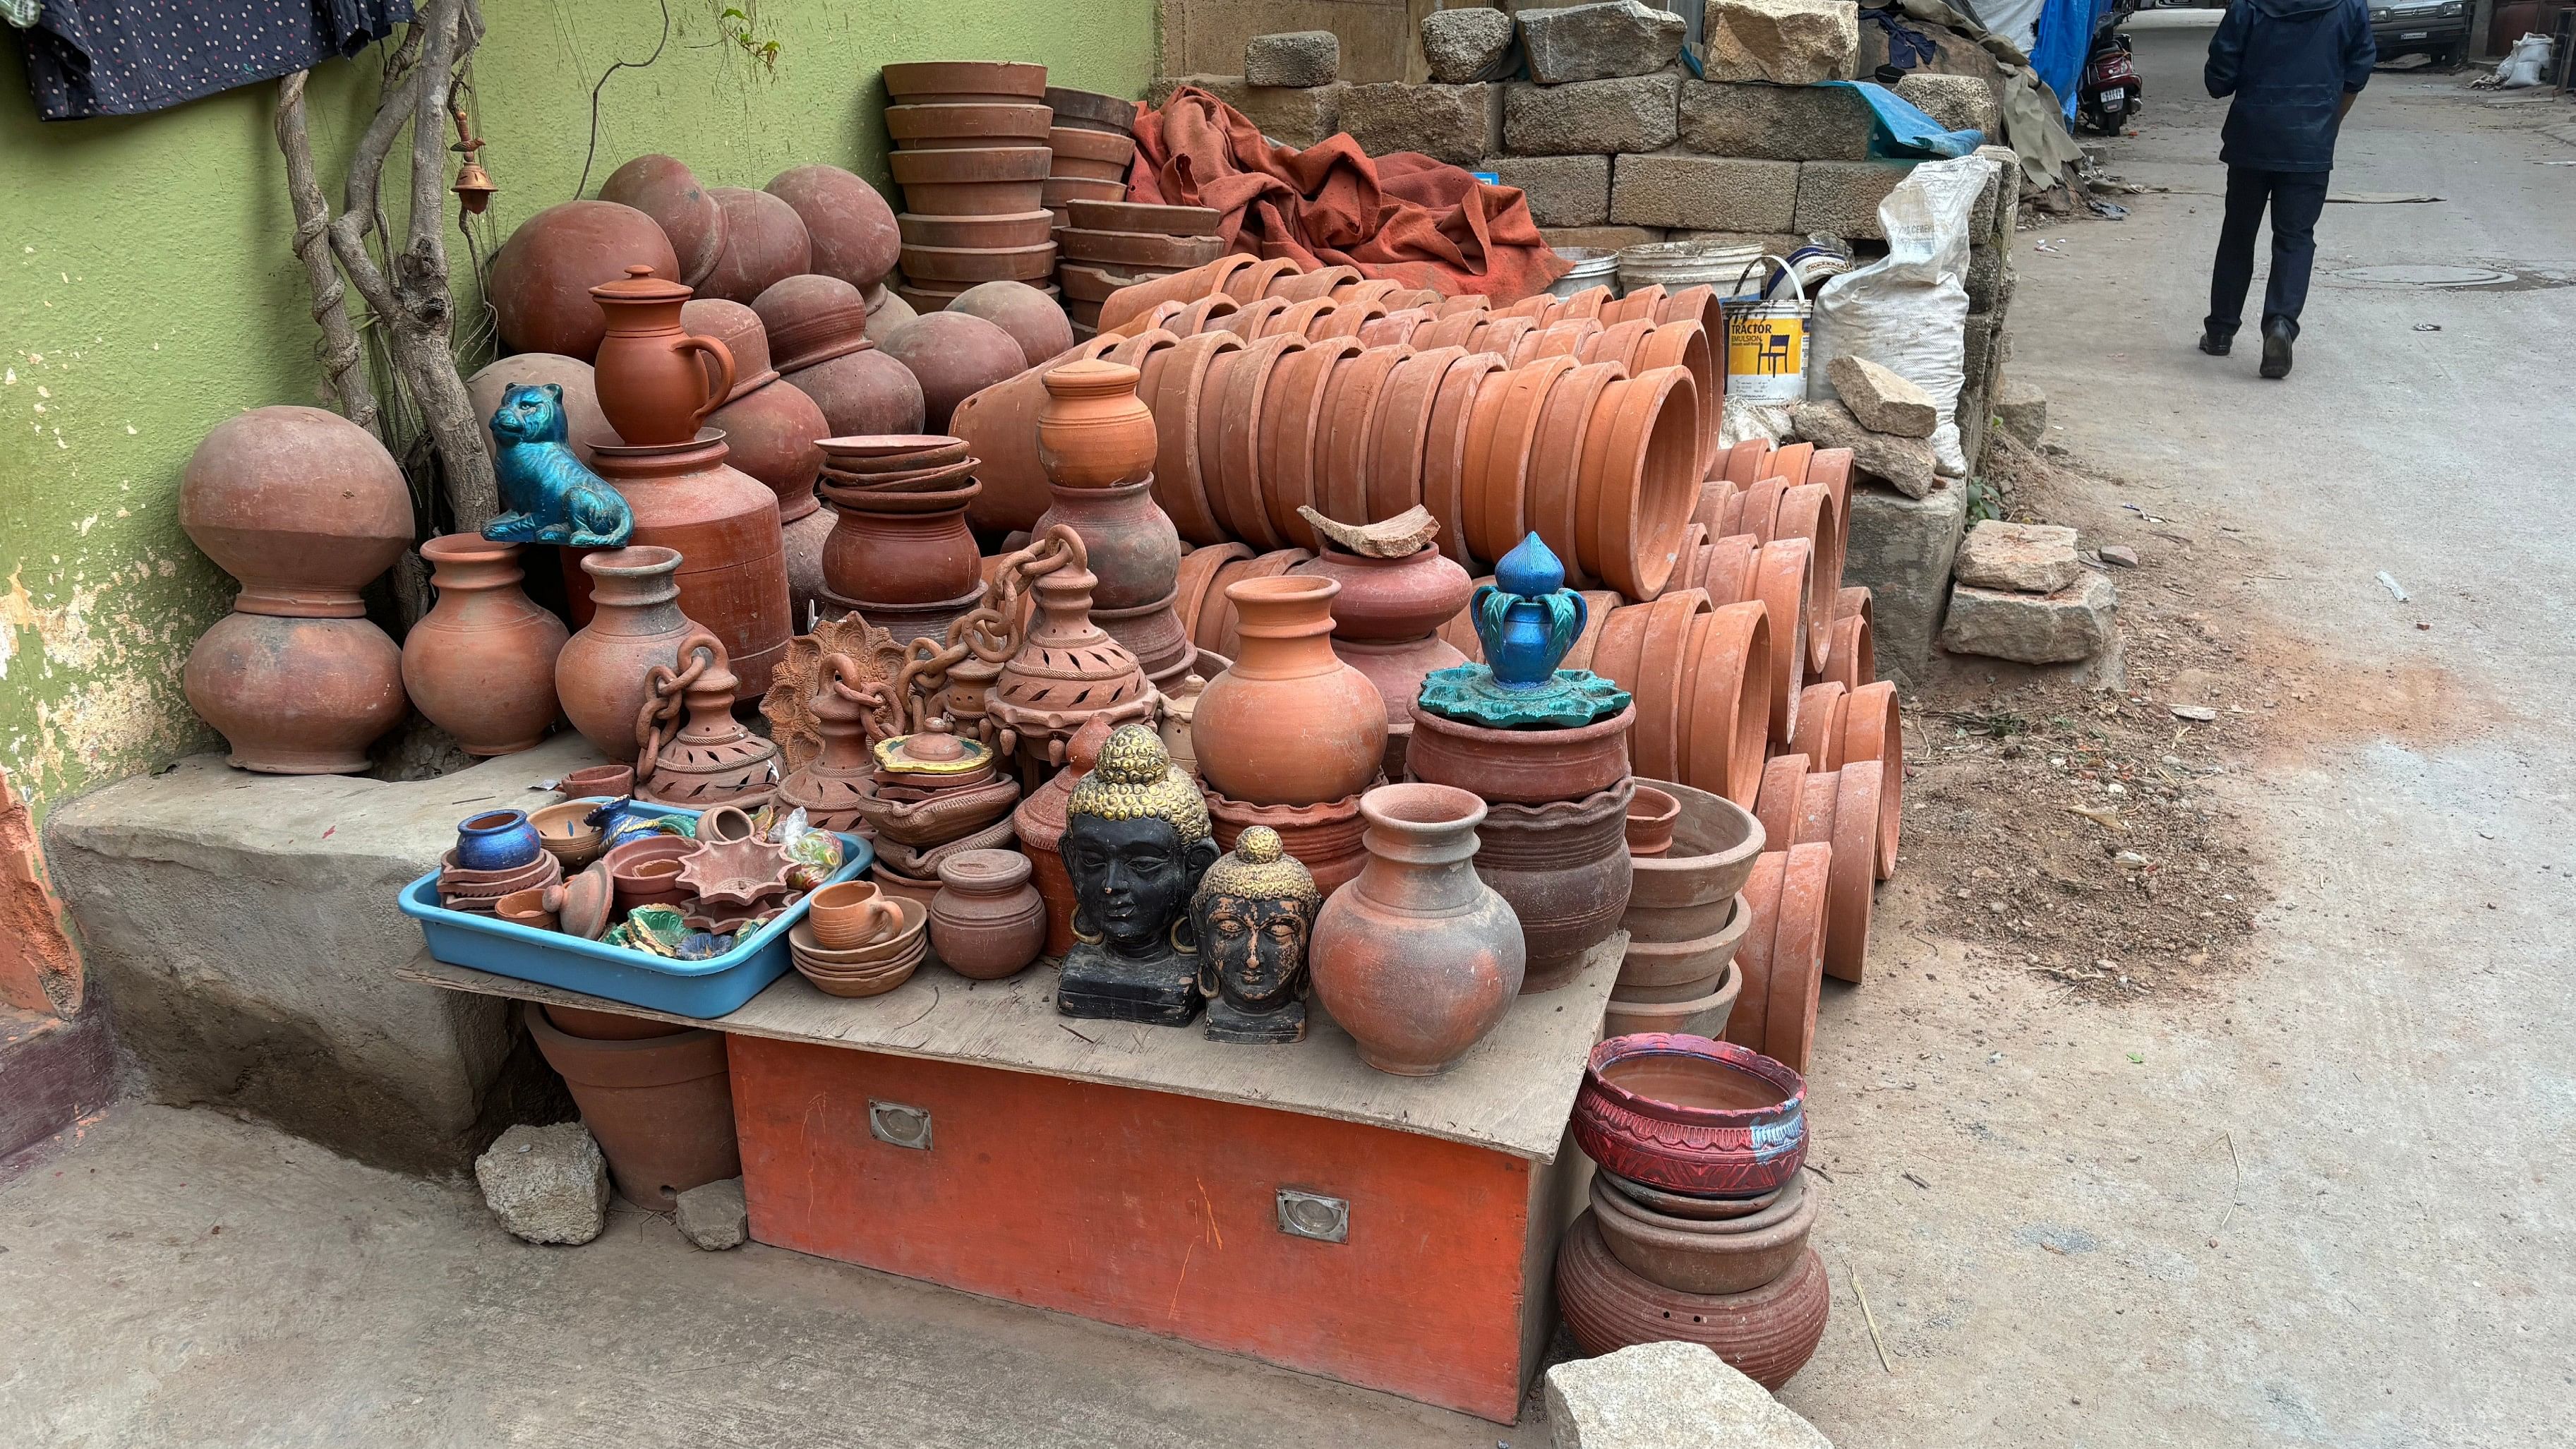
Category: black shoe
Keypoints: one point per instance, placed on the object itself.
(2214, 344)
(2276, 350)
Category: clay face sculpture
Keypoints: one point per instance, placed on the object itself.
(1527, 619)
(1252, 915)
(553, 497)
(1135, 843)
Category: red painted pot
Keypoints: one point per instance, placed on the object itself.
(1691, 1115)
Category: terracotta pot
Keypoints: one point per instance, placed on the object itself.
(901, 548)
(936, 126)
(1708, 1256)
(1563, 867)
(1783, 955)
(591, 1025)
(301, 505)
(886, 312)
(585, 426)
(1521, 767)
(1293, 286)
(1068, 672)
(1175, 387)
(1680, 971)
(1093, 111)
(661, 1108)
(563, 831)
(1767, 1334)
(955, 82)
(650, 883)
(1780, 572)
(540, 281)
(971, 181)
(960, 268)
(953, 356)
(1499, 440)
(1807, 511)
(1293, 439)
(1022, 230)
(1397, 445)
(1686, 344)
(1323, 838)
(1652, 815)
(296, 696)
(1872, 730)
(611, 782)
(1820, 725)
(724, 523)
(1142, 218)
(662, 188)
(1417, 958)
(1091, 155)
(1153, 633)
(849, 228)
(765, 243)
(1840, 809)
(1126, 249)
(635, 623)
(1094, 432)
(1390, 600)
(1353, 404)
(1784, 780)
(1688, 892)
(772, 428)
(1643, 480)
(526, 908)
(1186, 286)
(987, 921)
(1235, 410)
(657, 381)
(1688, 1114)
(1704, 1010)
(1726, 701)
(1557, 456)
(1290, 723)
(1851, 660)
(1031, 317)
(481, 665)
(1444, 448)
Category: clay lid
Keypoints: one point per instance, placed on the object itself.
(641, 285)
(812, 318)
(985, 870)
(934, 752)
(739, 329)
(1040, 819)
(1091, 379)
(662, 188)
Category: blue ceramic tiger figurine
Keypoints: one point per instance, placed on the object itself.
(551, 496)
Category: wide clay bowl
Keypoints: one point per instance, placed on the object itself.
(1767, 1334)
(454, 879)
(561, 831)
(1702, 1012)
(1726, 1255)
(808, 947)
(611, 782)
(623, 859)
(1520, 767)
(1688, 1114)
(870, 986)
(1687, 891)
(911, 954)
(1685, 1205)
(1675, 970)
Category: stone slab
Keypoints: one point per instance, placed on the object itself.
(1990, 278)
(1464, 44)
(1791, 42)
(1881, 400)
(1461, 125)
(1298, 116)
(712, 1215)
(1562, 190)
(1293, 58)
(2073, 624)
(2028, 558)
(1599, 42)
(1705, 193)
(1668, 1395)
(1759, 121)
(1633, 113)
(1958, 102)
(1905, 464)
(1902, 549)
(1842, 197)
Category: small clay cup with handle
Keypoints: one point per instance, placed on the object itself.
(851, 914)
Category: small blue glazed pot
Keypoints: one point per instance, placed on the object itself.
(500, 840)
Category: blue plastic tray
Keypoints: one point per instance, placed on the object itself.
(703, 989)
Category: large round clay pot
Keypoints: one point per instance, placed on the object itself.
(1391, 600)
(1687, 1114)
(635, 623)
(987, 921)
(663, 189)
(1708, 1255)
(765, 242)
(1289, 723)
(657, 381)
(848, 226)
(772, 432)
(1767, 1335)
(902, 548)
(886, 312)
(585, 426)
(1417, 958)
(481, 664)
(1564, 869)
(724, 522)
(660, 1107)
(810, 318)
(1131, 543)
(867, 393)
(1521, 767)
(953, 356)
(1033, 318)
(540, 281)
(296, 696)
(303, 506)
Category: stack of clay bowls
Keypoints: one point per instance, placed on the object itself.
(881, 958)
(971, 156)
(1699, 1215)
(1093, 141)
(1105, 245)
(1686, 917)
(900, 554)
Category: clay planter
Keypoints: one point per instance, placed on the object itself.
(1137, 216)
(1416, 958)
(526, 908)
(1687, 345)
(770, 427)
(585, 426)
(724, 523)
(1643, 480)
(1291, 286)
(1290, 723)
(1709, 1256)
(965, 266)
(1840, 808)
(296, 696)
(1851, 658)
(1556, 500)
(1783, 955)
(540, 281)
(1091, 155)
(944, 127)
(1292, 439)
(1767, 1334)
(1444, 447)
(901, 548)
(1563, 868)
(954, 356)
(1807, 511)
(576, 1021)
(648, 883)
(1725, 720)
(1175, 387)
(1687, 893)
(1091, 111)
(1872, 731)
(849, 228)
(1234, 413)
(1695, 1015)
(1520, 767)
(962, 82)
(1780, 582)
(1126, 251)
(302, 506)
(1024, 229)
(1687, 1114)
(662, 188)
(1499, 439)
(1669, 971)
(1343, 455)
(987, 921)
(661, 1108)
(636, 623)
(1186, 286)
(1651, 816)
(971, 181)
(1323, 838)
(1397, 444)
(481, 665)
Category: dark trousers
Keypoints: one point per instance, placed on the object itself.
(2296, 198)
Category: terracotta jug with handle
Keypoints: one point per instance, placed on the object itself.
(657, 382)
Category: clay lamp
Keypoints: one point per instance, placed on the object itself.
(935, 759)
(732, 865)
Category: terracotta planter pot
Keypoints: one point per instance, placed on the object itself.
(661, 1108)
(1323, 838)
(481, 665)
(1417, 959)
(1726, 701)
(540, 281)
(1644, 481)
(987, 921)
(724, 523)
(1137, 216)
(1651, 817)
(635, 623)
(1293, 438)
(1244, 390)
(1556, 466)
(1694, 1015)
(765, 243)
(1094, 155)
(1292, 286)
(1852, 659)
(1840, 809)
(1687, 893)
(1499, 440)
(1175, 386)
(1784, 779)
(1024, 229)
(1094, 432)
(1197, 572)
(1451, 329)
(1872, 730)
(1783, 955)
(1686, 344)
(1807, 512)
(1767, 1334)
(971, 181)
(301, 505)
(1444, 448)
(662, 188)
(936, 126)
(1137, 249)
(966, 266)
(1343, 319)
(1706, 1256)
(591, 1025)
(1674, 971)
(562, 831)
(1688, 1114)
(1522, 767)
(1780, 583)
(1699, 303)
(1249, 284)
(1640, 305)
(1647, 653)
(1728, 572)
(1352, 407)
(848, 226)
(1091, 110)
(953, 356)
(1289, 723)
(1395, 329)
(958, 82)
(1563, 867)
(1187, 286)
(296, 696)
(1820, 726)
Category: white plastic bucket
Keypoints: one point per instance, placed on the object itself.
(1766, 340)
(1593, 267)
(1675, 265)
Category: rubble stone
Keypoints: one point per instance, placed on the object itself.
(1462, 44)
(1668, 1395)
(1902, 549)
(1958, 102)
(1632, 113)
(2120, 554)
(1979, 341)
(1775, 123)
(1791, 42)
(2072, 624)
(2026, 558)
(546, 1184)
(1293, 58)
(1998, 211)
(1562, 190)
(1990, 277)
(1599, 42)
(2023, 410)
(1298, 116)
(1883, 401)
(1842, 197)
(1707, 193)
(1904, 464)
(1458, 124)
(1600, 238)
(713, 1216)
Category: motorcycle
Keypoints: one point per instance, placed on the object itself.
(2110, 92)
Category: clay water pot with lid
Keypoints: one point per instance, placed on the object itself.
(987, 921)
(849, 229)
(771, 428)
(1289, 723)
(663, 189)
(481, 664)
(765, 242)
(585, 426)
(296, 696)
(724, 525)
(602, 674)
(657, 383)
(540, 280)
(303, 506)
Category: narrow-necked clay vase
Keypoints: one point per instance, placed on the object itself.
(1416, 957)
(481, 664)
(657, 382)
(603, 673)
(1289, 723)
(988, 920)
(1094, 431)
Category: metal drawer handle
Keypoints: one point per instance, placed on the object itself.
(899, 1125)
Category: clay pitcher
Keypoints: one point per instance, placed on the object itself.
(481, 664)
(653, 383)
(603, 675)
(1289, 723)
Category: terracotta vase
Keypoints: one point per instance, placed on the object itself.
(1289, 723)
(1133, 549)
(1417, 958)
(657, 381)
(1384, 623)
(765, 243)
(1711, 1255)
(1563, 867)
(541, 277)
(724, 524)
(602, 674)
(296, 696)
(1094, 432)
(303, 506)
(987, 921)
(481, 664)
(901, 548)
(1521, 767)
(1040, 820)
(660, 1107)
(1767, 1334)
(1691, 1115)
(663, 189)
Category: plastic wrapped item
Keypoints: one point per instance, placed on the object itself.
(1908, 310)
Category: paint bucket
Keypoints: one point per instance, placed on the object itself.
(1593, 267)
(1766, 339)
(1675, 265)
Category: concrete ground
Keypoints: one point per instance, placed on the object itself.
(2322, 1201)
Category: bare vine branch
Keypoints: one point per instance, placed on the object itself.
(342, 362)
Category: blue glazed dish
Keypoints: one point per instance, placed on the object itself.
(496, 840)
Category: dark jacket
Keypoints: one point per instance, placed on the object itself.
(2289, 63)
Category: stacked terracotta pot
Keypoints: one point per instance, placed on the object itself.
(1700, 1215)
(1686, 915)
(1093, 141)
(1096, 439)
(900, 554)
(1105, 244)
(972, 158)
(935, 797)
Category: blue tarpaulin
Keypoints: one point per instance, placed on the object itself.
(1900, 129)
(2065, 43)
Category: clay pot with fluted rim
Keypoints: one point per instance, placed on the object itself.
(849, 230)
(296, 696)
(540, 281)
(1323, 838)
(1767, 1334)
(1564, 868)
(601, 673)
(987, 921)
(481, 664)
(1526, 767)
(1289, 723)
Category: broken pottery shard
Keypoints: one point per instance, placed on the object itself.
(546, 1184)
(1402, 536)
(2028, 558)
(1668, 1395)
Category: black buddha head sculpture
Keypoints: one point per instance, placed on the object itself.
(1252, 915)
(1135, 843)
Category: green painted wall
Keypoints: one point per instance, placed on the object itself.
(147, 290)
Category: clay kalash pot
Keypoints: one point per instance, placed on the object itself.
(1289, 723)
(848, 226)
(724, 524)
(817, 331)
(953, 356)
(1563, 868)
(1767, 1334)
(1691, 1115)
(987, 921)
(1093, 431)
(1040, 823)
(656, 381)
(481, 664)
(772, 429)
(663, 189)
(296, 696)
(1417, 958)
(1033, 318)
(603, 673)
(540, 281)
(585, 426)
(765, 242)
(710, 760)
(660, 1107)
(1706, 1255)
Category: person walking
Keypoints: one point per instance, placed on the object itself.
(2294, 67)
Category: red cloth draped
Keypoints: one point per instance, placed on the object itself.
(1404, 215)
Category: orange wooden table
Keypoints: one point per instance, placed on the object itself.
(1286, 1203)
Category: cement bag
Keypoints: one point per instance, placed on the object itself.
(2525, 64)
(1908, 310)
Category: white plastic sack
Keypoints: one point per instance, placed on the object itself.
(2525, 64)
(1908, 311)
